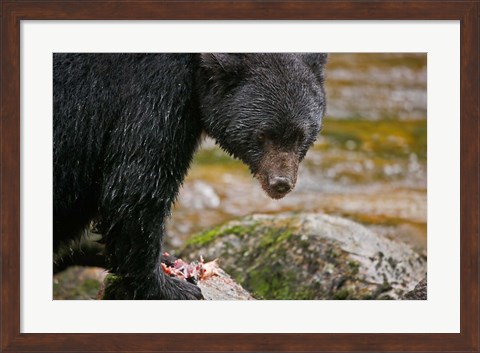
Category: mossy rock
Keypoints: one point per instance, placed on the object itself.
(78, 282)
(309, 256)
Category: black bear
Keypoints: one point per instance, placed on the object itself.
(126, 127)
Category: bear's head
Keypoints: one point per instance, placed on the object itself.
(265, 109)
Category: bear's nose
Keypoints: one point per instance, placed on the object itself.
(280, 184)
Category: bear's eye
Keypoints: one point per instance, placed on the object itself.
(261, 137)
(301, 139)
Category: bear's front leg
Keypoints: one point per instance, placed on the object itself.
(166, 288)
(178, 289)
(133, 255)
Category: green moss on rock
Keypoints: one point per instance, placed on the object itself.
(204, 237)
(113, 286)
(342, 294)
(305, 256)
(273, 283)
(208, 236)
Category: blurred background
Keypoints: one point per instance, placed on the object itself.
(368, 164)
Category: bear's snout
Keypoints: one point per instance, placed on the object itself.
(278, 172)
(280, 184)
(277, 186)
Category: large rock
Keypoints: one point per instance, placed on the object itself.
(310, 256)
(222, 287)
(419, 292)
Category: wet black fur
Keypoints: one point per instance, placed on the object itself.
(248, 98)
(126, 127)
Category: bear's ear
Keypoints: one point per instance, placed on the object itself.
(222, 63)
(316, 62)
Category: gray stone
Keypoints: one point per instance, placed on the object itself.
(310, 256)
